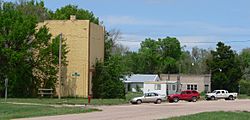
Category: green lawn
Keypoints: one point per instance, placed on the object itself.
(74, 101)
(215, 116)
(10, 111)
(43, 106)
(243, 96)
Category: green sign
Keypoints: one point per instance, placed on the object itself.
(75, 74)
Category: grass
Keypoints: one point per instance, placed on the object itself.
(243, 96)
(10, 111)
(44, 106)
(74, 101)
(71, 101)
(215, 116)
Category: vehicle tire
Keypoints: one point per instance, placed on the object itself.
(194, 99)
(212, 98)
(138, 101)
(176, 99)
(231, 97)
(158, 101)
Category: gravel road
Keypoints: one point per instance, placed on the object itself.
(149, 111)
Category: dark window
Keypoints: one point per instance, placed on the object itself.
(206, 88)
(195, 87)
(173, 87)
(188, 87)
(188, 92)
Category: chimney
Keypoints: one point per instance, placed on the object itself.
(72, 17)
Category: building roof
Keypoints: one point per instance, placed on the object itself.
(141, 78)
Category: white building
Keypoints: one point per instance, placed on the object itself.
(161, 87)
(135, 82)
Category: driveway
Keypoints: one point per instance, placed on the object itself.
(149, 111)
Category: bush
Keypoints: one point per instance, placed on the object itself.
(245, 87)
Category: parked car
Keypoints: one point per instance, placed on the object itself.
(149, 97)
(188, 95)
(221, 94)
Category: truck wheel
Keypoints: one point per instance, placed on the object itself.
(138, 101)
(212, 98)
(194, 99)
(176, 99)
(231, 97)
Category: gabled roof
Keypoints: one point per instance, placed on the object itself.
(141, 78)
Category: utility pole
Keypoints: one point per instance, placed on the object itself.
(60, 65)
(6, 89)
(179, 79)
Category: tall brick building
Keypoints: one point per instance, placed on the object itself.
(85, 42)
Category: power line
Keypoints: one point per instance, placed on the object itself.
(194, 42)
(234, 41)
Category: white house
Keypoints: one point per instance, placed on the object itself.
(135, 82)
(160, 87)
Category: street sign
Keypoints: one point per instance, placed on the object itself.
(76, 74)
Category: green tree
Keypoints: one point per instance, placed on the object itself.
(159, 56)
(26, 54)
(64, 14)
(225, 68)
(107, 81)
(245, 60)
(33, 8)
(150, 56)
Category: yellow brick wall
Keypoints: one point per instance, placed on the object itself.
(96, 48)
(77, 34)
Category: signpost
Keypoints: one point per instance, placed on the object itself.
(75, 75)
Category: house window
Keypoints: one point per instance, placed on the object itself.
(195, 87)
(206, 88)
(157, 86)
(192, 87)
(173, 87)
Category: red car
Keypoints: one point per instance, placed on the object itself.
(188, 95)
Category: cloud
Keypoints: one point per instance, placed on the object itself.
(198, 41)
(190, 33)
(196, 28)
(129, 20)
(131, 41)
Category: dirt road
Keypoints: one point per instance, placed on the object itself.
(149, 111)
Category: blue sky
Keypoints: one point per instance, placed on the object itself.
(193, 22)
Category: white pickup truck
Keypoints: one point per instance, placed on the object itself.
(221, 94)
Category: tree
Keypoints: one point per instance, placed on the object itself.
(107, 81)
(245, 60)
(225, 68)
(160, 56)
(170, 54)
(64, 14)
(150, 56)
(33, 8)
(26, 54)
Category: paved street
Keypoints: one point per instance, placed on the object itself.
(154, 111)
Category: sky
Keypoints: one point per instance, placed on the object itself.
(200, 23)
